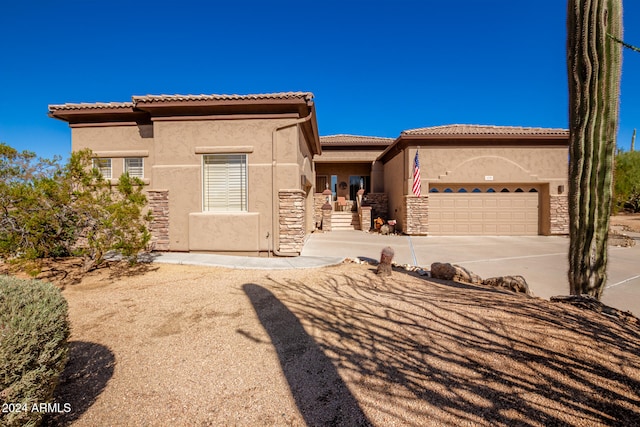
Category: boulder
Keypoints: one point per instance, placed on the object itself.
(446, 271)
(512, 283)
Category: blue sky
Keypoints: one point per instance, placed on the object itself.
(375, 67)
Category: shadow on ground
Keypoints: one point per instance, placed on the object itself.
(421, 351)
(88, 370)
(319, 392)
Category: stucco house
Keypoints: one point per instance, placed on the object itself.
(474, 180)
(249, 174)
(479, 180)
(223, 173)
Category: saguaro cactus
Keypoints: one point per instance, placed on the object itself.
(594, 63)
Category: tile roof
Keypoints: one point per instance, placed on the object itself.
(308, 96)
(479, 130)
(354, 140)
(91, 106)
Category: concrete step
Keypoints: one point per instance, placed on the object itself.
(345, 221)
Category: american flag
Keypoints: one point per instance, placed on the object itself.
(416, 176)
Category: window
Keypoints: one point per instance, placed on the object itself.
(104, 166)
(134, 166)
(322, 183)
(354, 185)
(225, 182)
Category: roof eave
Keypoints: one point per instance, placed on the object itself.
(96, 115)
(404, 140)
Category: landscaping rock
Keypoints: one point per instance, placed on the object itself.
(513, 283)
(620, 240)
(446, 271)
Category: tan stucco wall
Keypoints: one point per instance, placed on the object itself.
(224, 232)
(544, 168)
(394, 182)
(503, 164)
(307, 179)
(182, 144)
(173, 154)
(329, 156)
(117, 142)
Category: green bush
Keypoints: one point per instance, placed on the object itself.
(627, 182)
(34, 329)
(50, 210)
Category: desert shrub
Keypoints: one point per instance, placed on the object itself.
(627, 182)
(50, 210)
(34, 329)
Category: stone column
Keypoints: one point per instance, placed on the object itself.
(559, 214)
(365, 218)
(416, 220)
(291, 218)
(326, 217)
(159, 226)
(319, 200)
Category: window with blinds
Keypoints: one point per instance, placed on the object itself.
(104, 166)
(134, 166)
(225, 182)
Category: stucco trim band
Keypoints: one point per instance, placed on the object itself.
(121, 153)
(224, 149)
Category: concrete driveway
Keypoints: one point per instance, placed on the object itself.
(541, 260)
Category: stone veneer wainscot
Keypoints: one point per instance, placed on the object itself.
(159, 227)
(559, 214)
(416, 218)
(291, 210)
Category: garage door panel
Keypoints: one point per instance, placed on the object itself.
(476, 203)
(490, 216)
(483, 214)
(462, 203)
(490, 203)
(476, 216)
(462, 216)
(476, 229)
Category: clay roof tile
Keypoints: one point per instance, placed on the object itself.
(480, 130)
(354, 140)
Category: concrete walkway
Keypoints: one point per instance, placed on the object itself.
(245, 262)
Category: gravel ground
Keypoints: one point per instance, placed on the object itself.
(185, 346)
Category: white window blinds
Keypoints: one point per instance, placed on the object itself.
(134, 166)
(104, 166)
(225, 182)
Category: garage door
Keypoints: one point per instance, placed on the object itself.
(497, 214)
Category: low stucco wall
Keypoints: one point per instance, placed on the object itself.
(224, 232)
